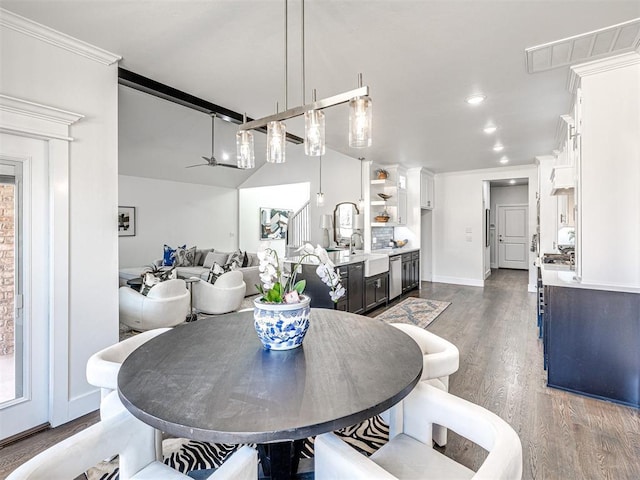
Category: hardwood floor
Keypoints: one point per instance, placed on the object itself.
(564, 436)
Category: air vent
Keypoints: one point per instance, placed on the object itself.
(617, 39)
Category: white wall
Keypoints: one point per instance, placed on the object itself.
(458, 218)
(41, 72)
(284, 197)
(340, 181)
(175, 214)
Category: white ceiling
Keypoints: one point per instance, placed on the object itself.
(420, 58)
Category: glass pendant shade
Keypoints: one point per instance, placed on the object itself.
(245, 152)
(276, 141)
(319, 199)
(360, 122)
(314, 133)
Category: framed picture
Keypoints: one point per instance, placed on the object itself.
(273, 223)
(126, 221)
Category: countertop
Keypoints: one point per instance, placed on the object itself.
(555, 275)
(342, 257)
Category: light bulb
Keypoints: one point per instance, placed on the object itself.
(319, 199)
(276, 142)
(360, 115)
(314, 133)
(244, 148)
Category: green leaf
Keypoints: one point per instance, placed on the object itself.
(299, 286)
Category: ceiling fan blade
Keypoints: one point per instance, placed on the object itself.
(198, 165)
(228, 165)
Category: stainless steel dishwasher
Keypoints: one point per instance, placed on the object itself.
(395, 276)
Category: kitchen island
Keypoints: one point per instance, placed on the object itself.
(591, 336)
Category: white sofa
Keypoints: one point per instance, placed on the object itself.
(250, 274)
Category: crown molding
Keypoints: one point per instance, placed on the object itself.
(33, 119)
(46, 34)
(600, 66)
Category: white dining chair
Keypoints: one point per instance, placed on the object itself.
(410, 454)
(132, 441)
(441, 358)
(102, 371)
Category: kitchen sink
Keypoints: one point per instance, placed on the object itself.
(376, 263)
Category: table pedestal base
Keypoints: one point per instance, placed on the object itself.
(280, 460)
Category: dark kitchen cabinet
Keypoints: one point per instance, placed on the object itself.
(352, 277)
(376, 290)
(410, 271)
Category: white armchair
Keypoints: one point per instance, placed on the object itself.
(224, 296)
(132, 440)
(166, 305)
(410, 454)
(440, 359)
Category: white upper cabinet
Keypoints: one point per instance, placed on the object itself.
(426, 190)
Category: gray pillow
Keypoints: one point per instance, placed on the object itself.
(220, 257)
(201, 256)
(209, 260)
(253, 260)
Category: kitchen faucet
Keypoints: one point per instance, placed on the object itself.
(351, 241)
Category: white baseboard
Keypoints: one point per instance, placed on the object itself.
(487, 273)
(471, 282)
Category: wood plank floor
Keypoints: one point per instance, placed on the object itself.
(564, 436)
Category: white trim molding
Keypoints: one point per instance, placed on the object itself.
(599, 66)
(46, 34)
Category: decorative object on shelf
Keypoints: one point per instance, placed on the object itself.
(401, 243)
(281, 313)
(384, 196)
(360, 109)
(273, 223)
(381, 219)
(382, 174)
(126, 221)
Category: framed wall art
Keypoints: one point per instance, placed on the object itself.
(126, 221)
(273, 223)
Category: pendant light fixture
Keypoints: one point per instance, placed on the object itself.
(320, 195)
(244, 147)
(360, 115)
(361, 199)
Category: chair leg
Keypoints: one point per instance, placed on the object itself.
(439, 435)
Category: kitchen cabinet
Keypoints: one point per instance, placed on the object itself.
(591, 341)
(410, 271)
(352, 276)
(376, 290)
(426, 190)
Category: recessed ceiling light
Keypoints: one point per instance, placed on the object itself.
(476, 99)
(504, 160)
(498, 147)
(512, 181)
(490, 129)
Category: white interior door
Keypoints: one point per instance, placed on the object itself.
(24, 366)
(512, 236)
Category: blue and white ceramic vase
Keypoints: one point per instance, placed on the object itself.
(281, 326)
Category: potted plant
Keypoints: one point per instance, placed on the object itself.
(281, 313)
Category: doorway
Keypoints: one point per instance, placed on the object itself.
(24, 326)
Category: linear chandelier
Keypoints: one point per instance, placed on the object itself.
(360, 118)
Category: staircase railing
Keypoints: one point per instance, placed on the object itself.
(298, 229)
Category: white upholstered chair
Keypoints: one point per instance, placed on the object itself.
(440, 359)
(132, 440)
(410, 454)
(224, 296)
(166, 305)
(103, 368)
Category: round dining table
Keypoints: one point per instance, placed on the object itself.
(212, 380)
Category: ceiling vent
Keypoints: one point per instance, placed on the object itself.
(617, 39)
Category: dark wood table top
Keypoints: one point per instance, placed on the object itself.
(211, 380)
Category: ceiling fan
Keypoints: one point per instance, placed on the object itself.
(211, 161)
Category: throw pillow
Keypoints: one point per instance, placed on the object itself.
(245, 260)
(153, 277)
(209, 260)
(220, 257)
(167, 258)
(184, 257)
(254, 261)
(215, 271)
(235, 260)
